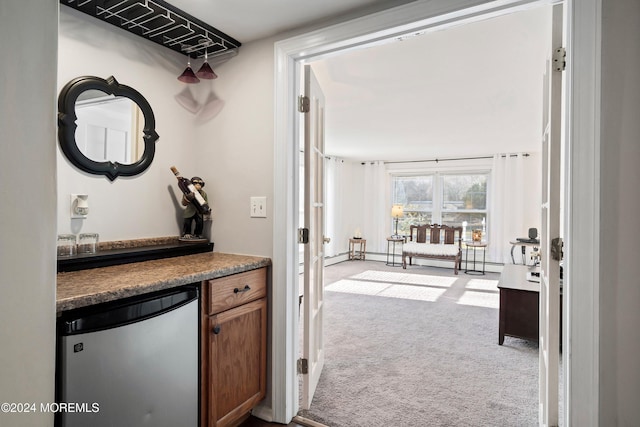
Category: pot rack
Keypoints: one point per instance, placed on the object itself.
(162, 23)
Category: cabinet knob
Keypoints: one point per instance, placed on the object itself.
(245, 289)
(216, 329)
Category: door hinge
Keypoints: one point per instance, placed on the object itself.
(559, 59)
(556, 249)
(303, 366)
(303, 235)
(303, 104)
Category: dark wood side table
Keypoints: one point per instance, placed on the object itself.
(519, 304)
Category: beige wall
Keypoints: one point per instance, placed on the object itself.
(129, 207)
(28, 30)
(236, 149)
(232, 152)
(619, 207)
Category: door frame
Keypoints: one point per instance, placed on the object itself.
(581, 193)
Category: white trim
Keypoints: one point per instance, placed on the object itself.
(581, 371)
(284, 307)
(581, 321)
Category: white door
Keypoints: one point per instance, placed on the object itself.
(313, 341)
(549, 266)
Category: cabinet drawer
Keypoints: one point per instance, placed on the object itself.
(232, 291)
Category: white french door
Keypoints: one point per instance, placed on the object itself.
(550, 234)
(314, 221)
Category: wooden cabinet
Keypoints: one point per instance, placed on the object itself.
(234, 347)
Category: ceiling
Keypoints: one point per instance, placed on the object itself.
(468, 90)
(250, 20)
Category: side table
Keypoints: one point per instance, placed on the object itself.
(391, 253)
(353, 254)
(475, 246)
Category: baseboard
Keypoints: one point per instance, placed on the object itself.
(307, 422)
(490, 267)
(263, 412)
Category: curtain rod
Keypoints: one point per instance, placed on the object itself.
(453, 159)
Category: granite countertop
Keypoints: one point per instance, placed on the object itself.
(83, 288)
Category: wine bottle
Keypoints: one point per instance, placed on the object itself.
(188, 188)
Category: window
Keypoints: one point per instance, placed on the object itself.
(415, 193)
(450, 199)
(464, 199)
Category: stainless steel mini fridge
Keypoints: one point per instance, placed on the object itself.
(131, 363)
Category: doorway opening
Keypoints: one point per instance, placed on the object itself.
(424, 46)
(291, 53)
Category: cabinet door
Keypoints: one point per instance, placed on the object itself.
(237, 362)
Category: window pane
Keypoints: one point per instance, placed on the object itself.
(464, 192)
(415, 194)
(474, 221)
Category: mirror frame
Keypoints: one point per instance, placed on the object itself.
(67, 127)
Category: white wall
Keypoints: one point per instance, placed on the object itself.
(27, 212)
(620, 204)
(145, 205)
(352, 194)
(347, 210)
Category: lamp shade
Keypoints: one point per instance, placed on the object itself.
(397, 211)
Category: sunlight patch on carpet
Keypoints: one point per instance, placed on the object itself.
(388, 290)
(357, 287)
(417, 293)
(408, 278)
(482, 285)
(480, 299)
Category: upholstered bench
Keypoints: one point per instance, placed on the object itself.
(441, 244)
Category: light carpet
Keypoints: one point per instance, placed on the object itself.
(419, 347)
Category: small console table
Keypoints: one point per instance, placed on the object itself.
(475, 246)
(353, 254)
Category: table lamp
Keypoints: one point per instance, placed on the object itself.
(397, 211)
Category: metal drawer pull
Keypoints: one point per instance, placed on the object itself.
(216, 329)
(246, 289)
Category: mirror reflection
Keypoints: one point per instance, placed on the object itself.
(109, 128)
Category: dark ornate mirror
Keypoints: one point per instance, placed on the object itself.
(106, 128)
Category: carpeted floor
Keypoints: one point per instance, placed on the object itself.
(419, 347)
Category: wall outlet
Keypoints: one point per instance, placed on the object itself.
(258, 206)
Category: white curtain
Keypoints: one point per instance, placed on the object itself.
(508, 192)
(334, 225)
(375, 209)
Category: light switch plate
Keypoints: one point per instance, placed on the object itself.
(258, 206)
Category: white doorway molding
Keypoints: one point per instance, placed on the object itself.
(583, 23)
